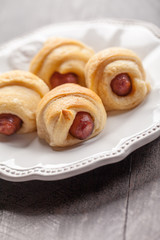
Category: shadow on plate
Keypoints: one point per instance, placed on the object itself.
(18, 140)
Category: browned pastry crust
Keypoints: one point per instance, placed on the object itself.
(58, 108)
(20, 93)
(104, 66)
(61, 55)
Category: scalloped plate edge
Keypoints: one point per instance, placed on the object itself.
(115, 155)
(100, 159)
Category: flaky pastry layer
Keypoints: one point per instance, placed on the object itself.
(20, 93)
(58, 108)
(105, 66)
(61, 55)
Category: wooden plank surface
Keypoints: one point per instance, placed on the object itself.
(82, 207)
(143, 214)
(119, 201)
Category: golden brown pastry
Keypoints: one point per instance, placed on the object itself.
(117, 76)
(20, 93)
(70, 114)
(61, 61)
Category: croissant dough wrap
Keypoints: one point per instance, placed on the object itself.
(63, 56)
(57, 110)
(105, 66)
(20, 93)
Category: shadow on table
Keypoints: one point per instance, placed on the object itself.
(86, 192)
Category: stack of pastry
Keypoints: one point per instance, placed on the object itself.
(83, 87)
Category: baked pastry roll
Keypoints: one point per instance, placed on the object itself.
(70, 114)
(118, 77)
(61, 61)
(20, 93)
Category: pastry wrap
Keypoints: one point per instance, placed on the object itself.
(63, 56)
(20, 93)
(58, 108)
(104, 66)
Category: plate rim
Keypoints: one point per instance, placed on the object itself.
(97, 160)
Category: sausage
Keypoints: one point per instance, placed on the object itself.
(82, 126)
(121, 84)
(9, 124)
(59, 79)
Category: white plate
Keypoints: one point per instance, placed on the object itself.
(25, 157)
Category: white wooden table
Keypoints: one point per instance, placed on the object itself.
(119, 201)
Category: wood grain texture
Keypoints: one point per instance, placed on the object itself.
(144, 194)
(82, 207)
(120, 201)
